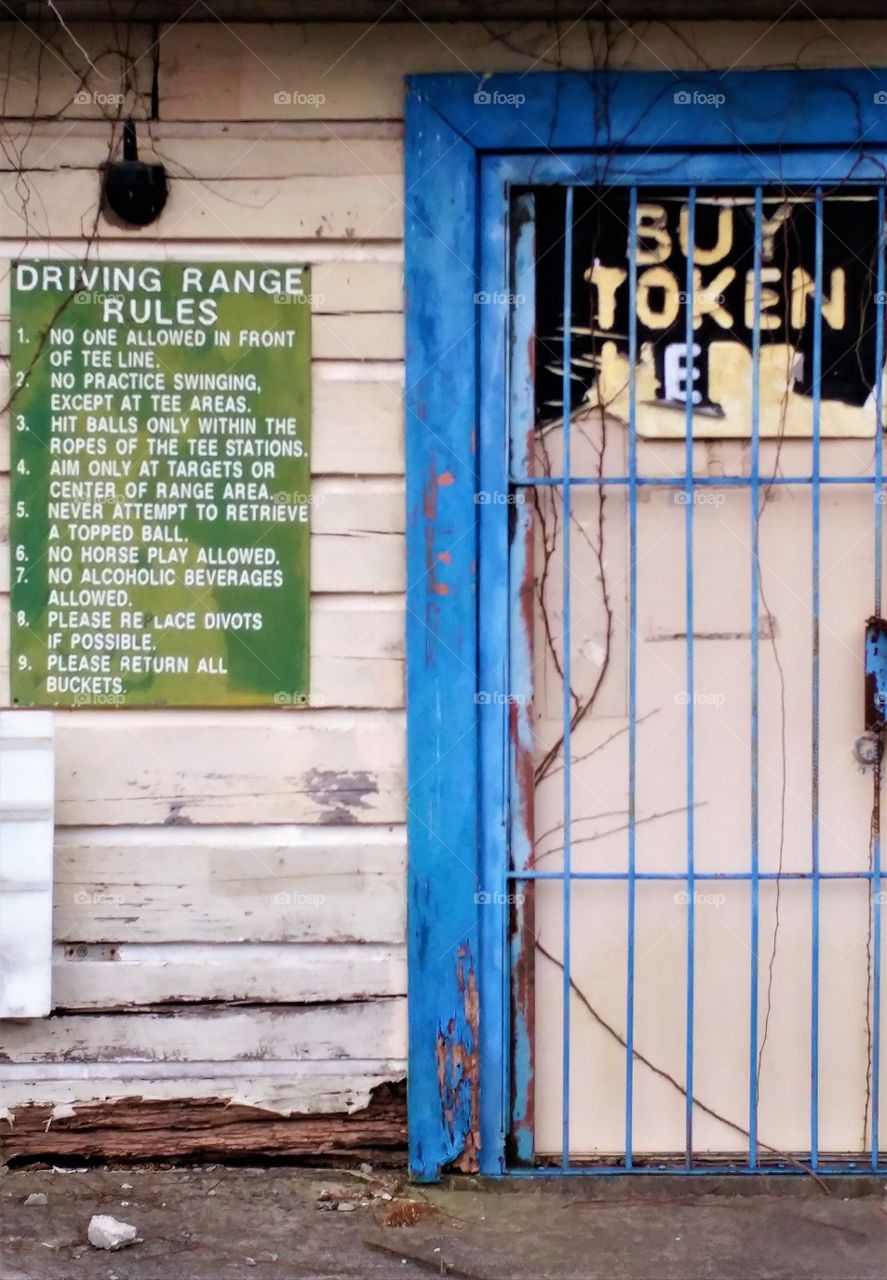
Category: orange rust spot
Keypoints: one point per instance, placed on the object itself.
(429, 499)
(445, 557)
(440, 588)
(446, 477)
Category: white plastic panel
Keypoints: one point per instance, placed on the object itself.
(26, 844)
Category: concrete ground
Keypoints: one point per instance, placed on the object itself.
(284, 1224)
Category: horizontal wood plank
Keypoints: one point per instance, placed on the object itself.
(361, 336)
(357, 418)
(192, 884)
(306, 1087)
(345, 278)
(207, 153)
(311, 1033)
(356, 651)
(253, 767)
(48, 73)
(357, 542)
(277, 72)
(131, 974)
(357, 1118)
(346, 207)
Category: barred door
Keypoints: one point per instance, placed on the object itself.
(694, 689)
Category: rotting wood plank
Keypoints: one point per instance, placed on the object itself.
(204, 1129)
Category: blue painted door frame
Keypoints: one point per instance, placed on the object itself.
(468, 143)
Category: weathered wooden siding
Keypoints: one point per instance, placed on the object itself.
(209, 860)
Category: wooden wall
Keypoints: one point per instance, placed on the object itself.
(229, 900)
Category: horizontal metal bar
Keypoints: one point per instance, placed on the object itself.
(848, 1168)
(679, 482)
(698, 875)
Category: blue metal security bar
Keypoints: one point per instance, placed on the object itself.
(755, 1155)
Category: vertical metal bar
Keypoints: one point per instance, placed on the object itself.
(632, 658)
(814, 789)
(879, 569)
(755, 685)
(688, 556)
(567, 655)
(506, 260)
(519, 745)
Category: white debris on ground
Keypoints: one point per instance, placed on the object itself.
(105, 1232)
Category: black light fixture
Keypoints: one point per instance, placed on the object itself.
(134, 190)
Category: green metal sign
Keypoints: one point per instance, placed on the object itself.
(160, 484)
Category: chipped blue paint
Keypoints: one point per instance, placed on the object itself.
(441, 636)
